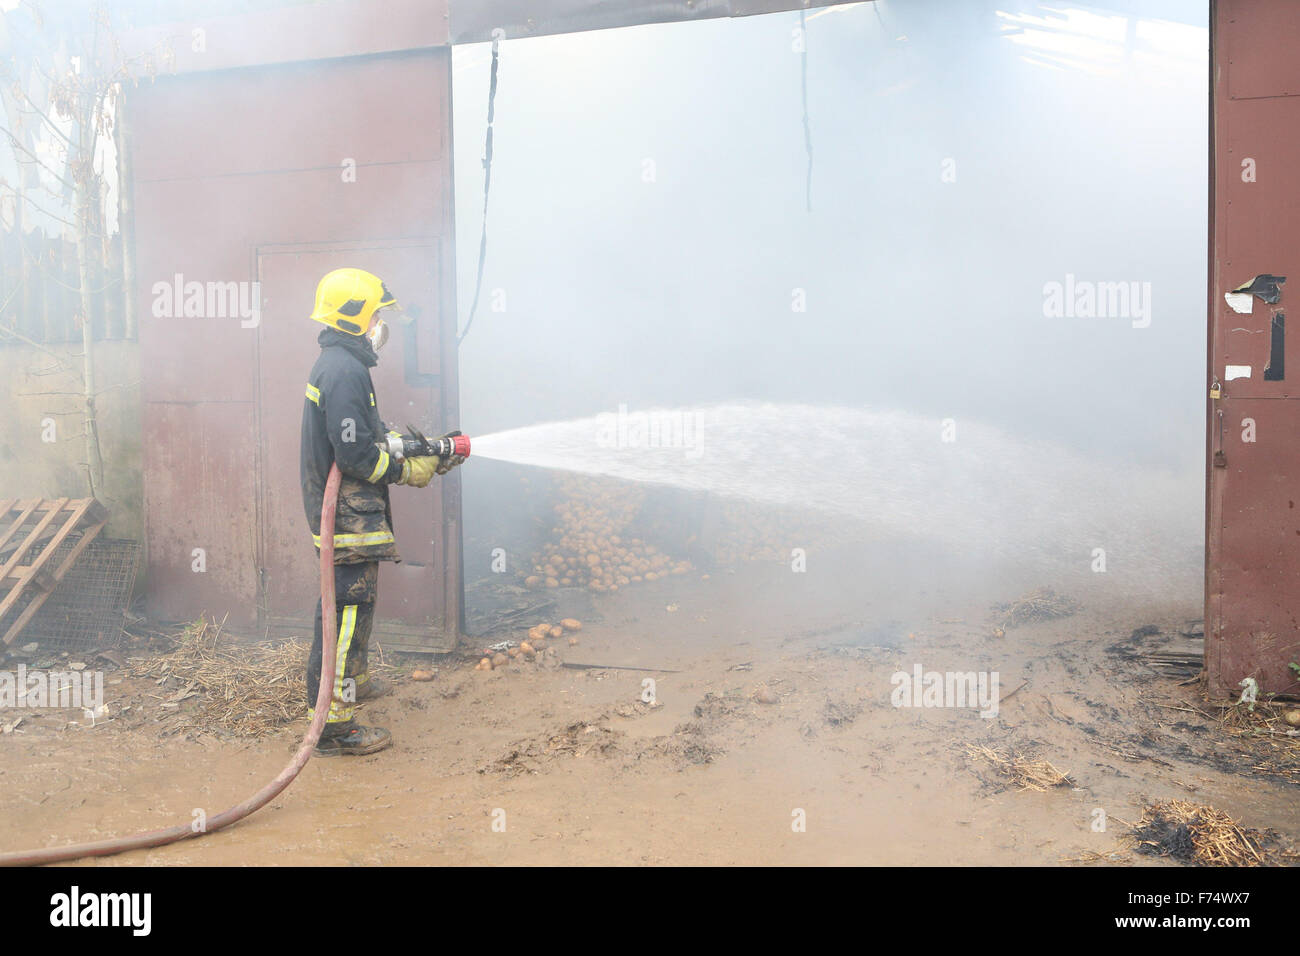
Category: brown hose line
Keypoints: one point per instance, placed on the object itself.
(184, 831)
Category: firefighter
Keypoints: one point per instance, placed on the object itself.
(340, 423)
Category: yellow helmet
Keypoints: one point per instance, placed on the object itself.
(347, 300)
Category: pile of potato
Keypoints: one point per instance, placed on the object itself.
(535, 647)
(747, 533)
(588, 548)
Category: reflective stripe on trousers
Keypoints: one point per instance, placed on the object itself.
(357, 588)
(342, 710)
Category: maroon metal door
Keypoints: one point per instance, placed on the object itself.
(411, 606)
(1252, 589)
(344, 138)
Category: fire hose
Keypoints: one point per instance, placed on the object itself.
(452, 446)
(185, 831)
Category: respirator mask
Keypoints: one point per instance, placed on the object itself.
(379, 329)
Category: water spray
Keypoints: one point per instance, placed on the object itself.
(978, 490)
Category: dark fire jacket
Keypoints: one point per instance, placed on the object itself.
(340, 422)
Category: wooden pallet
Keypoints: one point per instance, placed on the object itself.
(31, 530)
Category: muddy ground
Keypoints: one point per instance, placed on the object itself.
(549, 765)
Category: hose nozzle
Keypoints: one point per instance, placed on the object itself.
(414, 445)
(451, 446)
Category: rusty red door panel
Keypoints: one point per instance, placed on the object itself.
(275, 174)
(200, 510)
(411, 605)
(1252, 602)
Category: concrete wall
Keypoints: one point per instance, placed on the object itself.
(44, 387)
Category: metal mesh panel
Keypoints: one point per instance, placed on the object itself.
(88, 607)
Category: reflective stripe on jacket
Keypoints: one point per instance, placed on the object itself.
(340, 422)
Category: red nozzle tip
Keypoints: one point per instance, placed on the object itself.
(460, 445)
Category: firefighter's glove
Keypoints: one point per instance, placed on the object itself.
(447, 464)
(418, 472)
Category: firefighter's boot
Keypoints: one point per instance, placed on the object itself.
(352, 740)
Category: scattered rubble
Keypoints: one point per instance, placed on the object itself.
(1204, 836)
(1023, 772)
(1043, 604)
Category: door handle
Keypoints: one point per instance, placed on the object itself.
(1220, 461)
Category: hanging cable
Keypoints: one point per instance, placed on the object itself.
(487, 182)
(807, 128)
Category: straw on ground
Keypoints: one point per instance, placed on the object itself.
(1025, 772)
